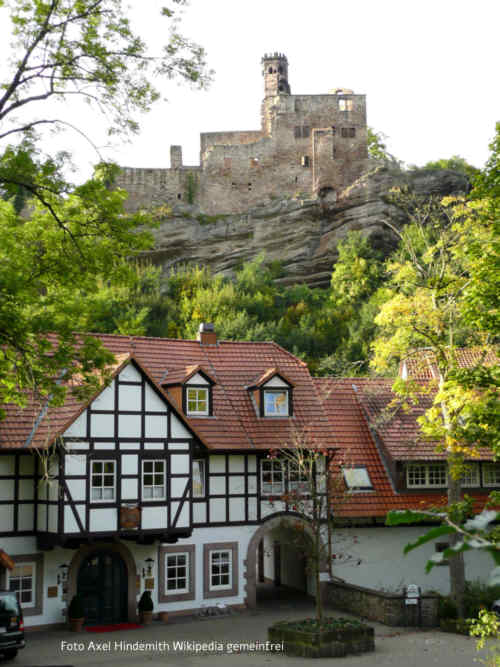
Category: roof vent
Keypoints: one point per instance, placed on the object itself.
(207, 334)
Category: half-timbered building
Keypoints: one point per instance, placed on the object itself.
(162, 481)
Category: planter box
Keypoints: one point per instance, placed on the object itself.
(334, 643)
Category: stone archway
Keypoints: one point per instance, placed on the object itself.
(251, 561)
(112, 547)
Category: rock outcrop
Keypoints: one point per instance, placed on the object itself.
(302, 234)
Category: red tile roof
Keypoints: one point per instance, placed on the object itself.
(421, 364)
(233, 366)
(357, 446)
(182, 375)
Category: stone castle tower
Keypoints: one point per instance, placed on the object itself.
(313, 145)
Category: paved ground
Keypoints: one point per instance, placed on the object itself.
(156, 646)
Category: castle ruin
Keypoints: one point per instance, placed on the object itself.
(309, 145)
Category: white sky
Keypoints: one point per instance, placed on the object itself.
(430, 71)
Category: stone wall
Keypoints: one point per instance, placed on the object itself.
(240, 170)
(387, 608)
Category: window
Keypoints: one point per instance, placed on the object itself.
(22, 582)
(470, 476)
(426, 475)
(302, 132)
(348, 132)
(345, 105)
(103, 481)
(306, 161)
(220, 569)
(198, 479)
(177, 573)
(272, 478)
(357, 479)
(197, 401)
(276, 403)
(298, 480)
(153, 480)
(491, 474)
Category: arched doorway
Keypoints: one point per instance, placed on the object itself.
(103, 588)
(275, 568)
(123, 567)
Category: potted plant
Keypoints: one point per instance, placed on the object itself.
(145, 608)
(76, 614)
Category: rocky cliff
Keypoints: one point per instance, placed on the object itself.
(302, 234)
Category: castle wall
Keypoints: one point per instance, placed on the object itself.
(308, 145)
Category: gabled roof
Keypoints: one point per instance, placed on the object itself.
(357, 446)
(268, 375)
(182, 375)
(38, 425)
(232, 365)
(421, 364)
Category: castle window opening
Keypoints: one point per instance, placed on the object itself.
(306, 161)
(334, 130)
(179, 196)
(303, 132)
(233, 185)
(270, 70)
(345, 105)
(249, 187)
(348, 132)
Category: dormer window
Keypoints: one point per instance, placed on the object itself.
(272, 394)
(197, 401)
(276, 402)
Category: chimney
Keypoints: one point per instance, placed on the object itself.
(207, 334)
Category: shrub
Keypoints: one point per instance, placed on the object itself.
(75, 609)
(479, 596)
(145, 603)
(447, 608)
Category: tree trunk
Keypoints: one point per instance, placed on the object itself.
(457, 563)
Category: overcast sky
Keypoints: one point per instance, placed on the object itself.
(429, 70)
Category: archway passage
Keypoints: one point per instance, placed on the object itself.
(276, 569)
(103, 587)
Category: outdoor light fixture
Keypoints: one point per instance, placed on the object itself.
(62, 575)
(148, 570)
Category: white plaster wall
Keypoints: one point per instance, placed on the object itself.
(385, 567)
(276, 382)
(177, 429)
(197, 379)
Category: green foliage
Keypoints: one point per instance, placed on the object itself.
(191, 187)
(487, 626)
(479, 596)
(447, 608)
(63, 246)
(454, 163)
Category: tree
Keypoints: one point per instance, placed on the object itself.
(60, 242)
(377, 148)
(429, 280)
(454, 163)
(316, 491)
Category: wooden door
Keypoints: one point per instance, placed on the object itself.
(103, 587)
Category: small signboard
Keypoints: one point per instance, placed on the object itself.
(52, 591)
(412, 594)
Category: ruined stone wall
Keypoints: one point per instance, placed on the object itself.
(308, 145)
(149, 188)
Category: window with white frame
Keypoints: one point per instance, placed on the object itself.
(470, 476)
(221, 569)
(298, 479)
(103, 481)
(198, 478)
(357, 478)
(491, 474)
(153, 479)
(22, 581)
(272, 481)
(426, 475)
(197, 401)
(177, 573)
(276, 403)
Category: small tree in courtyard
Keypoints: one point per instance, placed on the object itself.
(315, 490)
